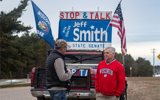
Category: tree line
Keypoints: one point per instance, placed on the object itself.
(20, 53)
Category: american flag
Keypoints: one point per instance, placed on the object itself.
(117, 21)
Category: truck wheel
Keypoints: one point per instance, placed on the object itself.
(40, 98)
(123, 96)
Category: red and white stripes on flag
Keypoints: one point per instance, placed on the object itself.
(117, 21)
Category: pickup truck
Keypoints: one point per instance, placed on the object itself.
(83, 66)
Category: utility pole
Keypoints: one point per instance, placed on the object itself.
(153, 61)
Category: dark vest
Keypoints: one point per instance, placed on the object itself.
(52, 79)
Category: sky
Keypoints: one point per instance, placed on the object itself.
(141, 20)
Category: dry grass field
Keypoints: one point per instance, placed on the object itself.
(143, 88)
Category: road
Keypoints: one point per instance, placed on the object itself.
(139, 88)
(16, 93)
(13, 81)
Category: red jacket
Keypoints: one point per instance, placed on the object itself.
(110, 78)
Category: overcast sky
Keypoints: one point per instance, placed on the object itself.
(141, 20)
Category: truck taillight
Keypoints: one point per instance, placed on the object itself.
(92, 80)
(93, 75)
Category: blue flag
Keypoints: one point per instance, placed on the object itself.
(43, 25)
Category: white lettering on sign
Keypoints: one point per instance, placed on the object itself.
(79, 72)
(90, 35)
(99, 15)
(93, 34)
(43, 17)
(40, 33)
(80, 24)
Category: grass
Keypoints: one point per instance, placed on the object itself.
(143, 88)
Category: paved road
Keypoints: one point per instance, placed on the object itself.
(16, 93)
(13, 81)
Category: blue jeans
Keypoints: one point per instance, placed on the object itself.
(58, 94)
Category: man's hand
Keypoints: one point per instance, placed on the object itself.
(69, 73)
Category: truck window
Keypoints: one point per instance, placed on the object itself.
(83, 57)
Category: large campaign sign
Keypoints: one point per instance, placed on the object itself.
(85, 34)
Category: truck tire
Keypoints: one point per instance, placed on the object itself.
(123, 96)
(41, 98)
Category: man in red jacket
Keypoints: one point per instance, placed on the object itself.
(110, 77)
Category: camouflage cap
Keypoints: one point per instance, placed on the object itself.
(60, 43)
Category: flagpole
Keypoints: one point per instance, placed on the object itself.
(123, 56)
(123, 60)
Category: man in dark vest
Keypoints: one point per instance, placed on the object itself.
(57, 75)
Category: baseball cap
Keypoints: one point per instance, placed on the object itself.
(61, 43)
